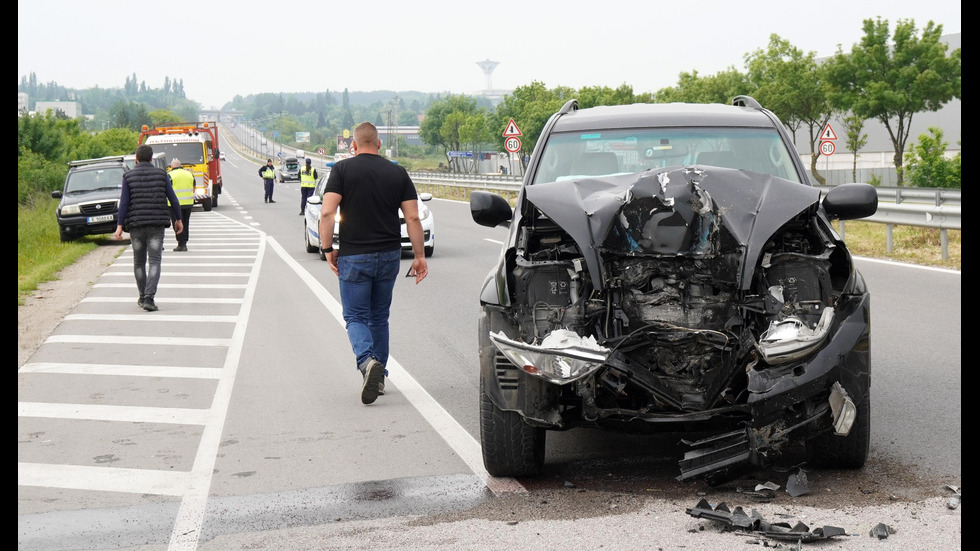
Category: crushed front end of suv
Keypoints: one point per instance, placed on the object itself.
(669, 269)
(90, 198)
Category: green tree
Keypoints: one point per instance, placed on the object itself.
(530, 106)
(718, 88)
(130, 115)
(432, 130)
(39, 134)
(791, 84)
(928, 165)
(890, 82)
(164, 116)
(854, 140)
(118, 141)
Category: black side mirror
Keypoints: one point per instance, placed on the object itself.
(851, 201)
(489, 209)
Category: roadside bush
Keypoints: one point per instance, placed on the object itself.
(37, 176)
(927, 166)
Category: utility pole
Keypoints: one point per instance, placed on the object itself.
(280, 136)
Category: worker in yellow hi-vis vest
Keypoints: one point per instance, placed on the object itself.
(307, 181)
(183, 181)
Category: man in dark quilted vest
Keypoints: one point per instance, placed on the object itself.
(144, 212)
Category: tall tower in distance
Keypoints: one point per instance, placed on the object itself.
(488, 67)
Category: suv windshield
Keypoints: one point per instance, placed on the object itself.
(604, 152)
(90, 180)
(189, 153)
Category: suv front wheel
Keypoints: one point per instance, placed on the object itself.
(511, 447)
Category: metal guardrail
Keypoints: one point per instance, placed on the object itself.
(897, 206)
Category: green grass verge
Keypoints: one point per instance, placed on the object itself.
(910, 244)
(40, 252)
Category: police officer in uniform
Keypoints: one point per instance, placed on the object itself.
(268, 174)
(183, 181)
(307, 181)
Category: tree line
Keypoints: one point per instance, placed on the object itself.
(888, 76)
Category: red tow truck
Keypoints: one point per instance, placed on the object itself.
(196, 145)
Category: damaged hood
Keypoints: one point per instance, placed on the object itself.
(675, 211)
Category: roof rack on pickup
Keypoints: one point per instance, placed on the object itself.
(83, 162)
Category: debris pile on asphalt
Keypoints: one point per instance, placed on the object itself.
(738, 519)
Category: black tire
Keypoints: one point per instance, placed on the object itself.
(843, 452)
(429, 251)
(65, 236)
(306, 238)
(511, 447)
(206, 203)
(214, 201)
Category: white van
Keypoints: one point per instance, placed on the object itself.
(300, 154)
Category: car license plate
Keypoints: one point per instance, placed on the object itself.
(101, 218)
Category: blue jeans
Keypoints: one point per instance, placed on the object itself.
(367, 282)
(147, 254)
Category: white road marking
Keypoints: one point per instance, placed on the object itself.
(182, 372)
(102, 412)
(104, 479)
(465, 446)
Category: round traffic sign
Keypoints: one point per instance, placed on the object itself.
(827, 148)
(512, 144)
(321, 151)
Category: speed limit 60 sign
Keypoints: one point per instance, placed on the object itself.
(827, 148)
(512, 144)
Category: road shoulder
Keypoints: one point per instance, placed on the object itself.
(47, 306)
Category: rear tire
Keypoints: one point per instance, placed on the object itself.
(206, 203)
(844, 452)
(214, 201)
(511, 447)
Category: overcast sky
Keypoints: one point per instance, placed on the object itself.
(221, 48)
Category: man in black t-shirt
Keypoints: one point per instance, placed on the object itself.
(369, 189)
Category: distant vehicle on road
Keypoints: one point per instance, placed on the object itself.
(311, 226)
(289, 169)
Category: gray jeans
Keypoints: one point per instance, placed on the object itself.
(147, 254)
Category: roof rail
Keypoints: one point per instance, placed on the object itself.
(746, 101)
(570, 105)
(83, 162)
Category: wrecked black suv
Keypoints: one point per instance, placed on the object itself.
(670, 269)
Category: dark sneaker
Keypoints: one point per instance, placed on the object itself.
(271, 201)
(179, 248)
(374, 376)
(149, 305)
(381, 388)
(140, 301)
